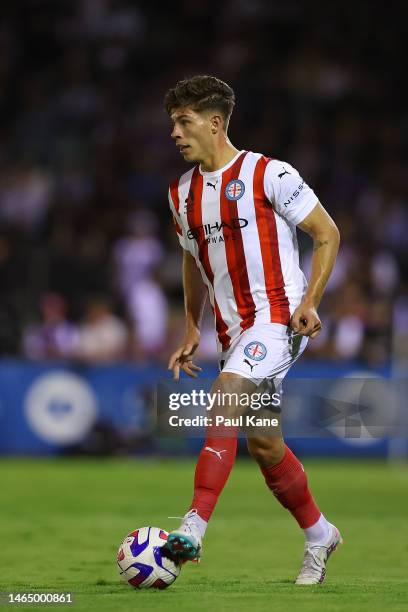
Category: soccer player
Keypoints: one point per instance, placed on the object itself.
(236, 214)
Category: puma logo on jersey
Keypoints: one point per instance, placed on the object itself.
(212, 450)
(212, 185)
(250, 364)
(283, 173)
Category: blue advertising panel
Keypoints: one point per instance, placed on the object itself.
(53, 408)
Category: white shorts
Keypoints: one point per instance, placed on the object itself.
(265, 350)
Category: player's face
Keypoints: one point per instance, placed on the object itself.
(192, 134)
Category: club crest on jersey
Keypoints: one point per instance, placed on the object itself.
(235, 189)
(255, 350)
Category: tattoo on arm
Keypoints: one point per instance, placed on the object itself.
(319, 243)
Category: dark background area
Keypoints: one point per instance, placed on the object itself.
(89, 263)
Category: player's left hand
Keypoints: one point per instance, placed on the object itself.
(305, 320)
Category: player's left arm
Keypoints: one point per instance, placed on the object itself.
(326, 239)
(296, 202)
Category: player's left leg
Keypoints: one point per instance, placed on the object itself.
(265, 352)
(285, 476)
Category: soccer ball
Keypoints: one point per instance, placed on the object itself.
(142, 561)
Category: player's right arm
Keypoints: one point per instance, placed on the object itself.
(195, 294)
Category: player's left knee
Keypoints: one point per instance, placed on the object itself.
(266, 451)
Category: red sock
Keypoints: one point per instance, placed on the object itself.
(288, 482)
(212, 471)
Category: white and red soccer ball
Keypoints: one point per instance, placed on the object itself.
(142, 561)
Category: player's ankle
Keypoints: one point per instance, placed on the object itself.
(319, 532)
(199, 522)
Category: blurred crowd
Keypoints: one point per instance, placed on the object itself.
(89, 263)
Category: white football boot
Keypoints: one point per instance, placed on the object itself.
(185, 543)
(313, 570)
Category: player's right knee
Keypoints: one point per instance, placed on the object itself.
(229, 390)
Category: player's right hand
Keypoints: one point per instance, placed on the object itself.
(182, 359)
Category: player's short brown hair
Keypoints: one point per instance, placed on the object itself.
(201, 93)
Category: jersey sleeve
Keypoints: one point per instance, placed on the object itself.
(177, 223)
(288, 193)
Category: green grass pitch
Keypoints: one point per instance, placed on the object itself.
(62, 521)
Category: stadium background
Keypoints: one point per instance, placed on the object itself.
(91, 298)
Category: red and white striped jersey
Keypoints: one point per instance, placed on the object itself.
(239, 223)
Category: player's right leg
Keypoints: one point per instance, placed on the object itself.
(213, 468)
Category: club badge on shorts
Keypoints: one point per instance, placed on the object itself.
(255, 350)
(235, 189)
